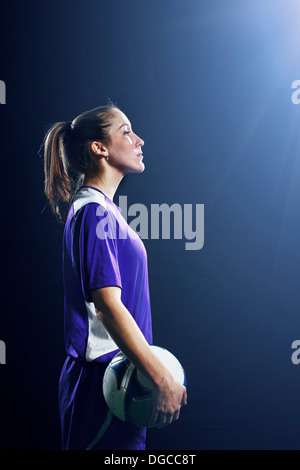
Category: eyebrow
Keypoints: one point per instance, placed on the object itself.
(125, 124)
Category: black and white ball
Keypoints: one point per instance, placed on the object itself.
(128, 392)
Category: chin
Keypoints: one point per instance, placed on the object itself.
(142, 168)
(137, 169)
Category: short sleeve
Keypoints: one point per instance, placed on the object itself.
(99, 255)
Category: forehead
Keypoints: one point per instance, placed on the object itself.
(119, 119)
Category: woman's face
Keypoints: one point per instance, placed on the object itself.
(124, 149)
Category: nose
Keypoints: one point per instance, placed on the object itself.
(139, 141)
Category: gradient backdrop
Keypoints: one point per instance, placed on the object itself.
(208, 85)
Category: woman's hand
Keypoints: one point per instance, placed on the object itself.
(168, 397)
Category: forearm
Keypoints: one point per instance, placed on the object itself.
(123, 329)
(168, 395)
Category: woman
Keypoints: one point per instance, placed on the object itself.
(106, 292)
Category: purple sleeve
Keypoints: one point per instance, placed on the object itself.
(99, 257)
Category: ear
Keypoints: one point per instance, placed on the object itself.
(99, 149)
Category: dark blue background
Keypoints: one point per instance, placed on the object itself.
(207, 85)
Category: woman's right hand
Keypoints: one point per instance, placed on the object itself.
(168, 397)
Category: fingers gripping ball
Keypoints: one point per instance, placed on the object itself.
(128, 392)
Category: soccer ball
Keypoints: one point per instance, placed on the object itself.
(128, 392)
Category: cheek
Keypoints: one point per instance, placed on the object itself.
(125, 146)
(121, 148)
(121, 153)
(124, 142)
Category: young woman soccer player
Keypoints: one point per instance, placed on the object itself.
(106, 291)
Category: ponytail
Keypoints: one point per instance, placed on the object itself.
(58, 186)
(68, 157)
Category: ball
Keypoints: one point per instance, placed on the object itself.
(128, 392)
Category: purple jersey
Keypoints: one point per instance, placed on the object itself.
(99, 250)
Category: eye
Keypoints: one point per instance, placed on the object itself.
(127, 132)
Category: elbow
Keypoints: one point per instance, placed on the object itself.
(101, 314)
(105, 300)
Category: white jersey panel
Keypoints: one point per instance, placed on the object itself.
(99, 341)
(87, 195)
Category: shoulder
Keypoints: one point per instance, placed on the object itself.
(87, 205)
(92, 209)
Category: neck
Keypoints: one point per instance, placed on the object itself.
(108, 186)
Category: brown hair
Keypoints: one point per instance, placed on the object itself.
(68, 156)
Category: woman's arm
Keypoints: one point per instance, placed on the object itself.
(169, 395)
